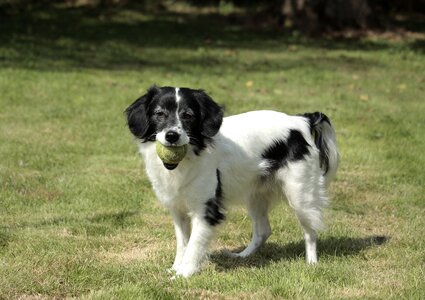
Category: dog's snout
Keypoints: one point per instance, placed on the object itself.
(172, 136)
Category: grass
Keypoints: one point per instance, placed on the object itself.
(78, 218)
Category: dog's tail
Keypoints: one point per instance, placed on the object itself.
(325, 140)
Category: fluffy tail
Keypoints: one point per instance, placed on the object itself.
(325, 140)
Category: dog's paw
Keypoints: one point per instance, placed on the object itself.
(186, 271)
(311, 261)
(233, 254)
(174, 268)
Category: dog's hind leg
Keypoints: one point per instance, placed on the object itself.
(261, 230)
(304, 189)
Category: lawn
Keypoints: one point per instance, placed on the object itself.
(78, 217)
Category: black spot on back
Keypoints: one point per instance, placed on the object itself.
(282, 151)
(214, 206)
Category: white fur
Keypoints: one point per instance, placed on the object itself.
(178, 98)
(236, 152)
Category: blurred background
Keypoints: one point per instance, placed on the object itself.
(310, 16)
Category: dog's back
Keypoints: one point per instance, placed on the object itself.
(255, 148)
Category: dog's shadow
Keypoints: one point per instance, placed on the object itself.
(273, 252)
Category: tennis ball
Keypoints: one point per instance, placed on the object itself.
(171, 154)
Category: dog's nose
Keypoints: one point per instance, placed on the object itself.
(172, 136)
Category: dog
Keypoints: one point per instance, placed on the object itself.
(254, 159)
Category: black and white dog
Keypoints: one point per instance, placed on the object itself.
(254, 159)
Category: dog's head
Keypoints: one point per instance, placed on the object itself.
(175, 117)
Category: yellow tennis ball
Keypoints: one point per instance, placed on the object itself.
(171, 154)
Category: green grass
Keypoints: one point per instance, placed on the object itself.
(78, 218)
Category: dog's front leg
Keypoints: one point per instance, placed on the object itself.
(182, 229)
(197, 248)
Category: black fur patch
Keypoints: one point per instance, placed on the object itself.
(137, 116)
(294, 148)
(314, 120)
(207, 121)
(214, 206)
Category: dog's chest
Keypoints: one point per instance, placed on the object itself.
(167, 185)
(185, 183)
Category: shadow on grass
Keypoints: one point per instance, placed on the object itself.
(130, 40)
(99, 224)
(5, 237)
(272, 252)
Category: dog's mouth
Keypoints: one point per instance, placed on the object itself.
(170, 166)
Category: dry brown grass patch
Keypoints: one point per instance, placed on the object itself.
(210, 295)
(135, 253)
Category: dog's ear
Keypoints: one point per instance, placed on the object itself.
(137, 117)
(211, 114)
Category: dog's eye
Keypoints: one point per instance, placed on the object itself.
(187, 115)
(160, 114)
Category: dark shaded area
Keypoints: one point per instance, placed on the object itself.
(5, 238)
(116, 218)
(418, 46)
(98, 224)
(125, 39)
(311, 16)
(315, 16)
(272, 252)
(95, 39)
